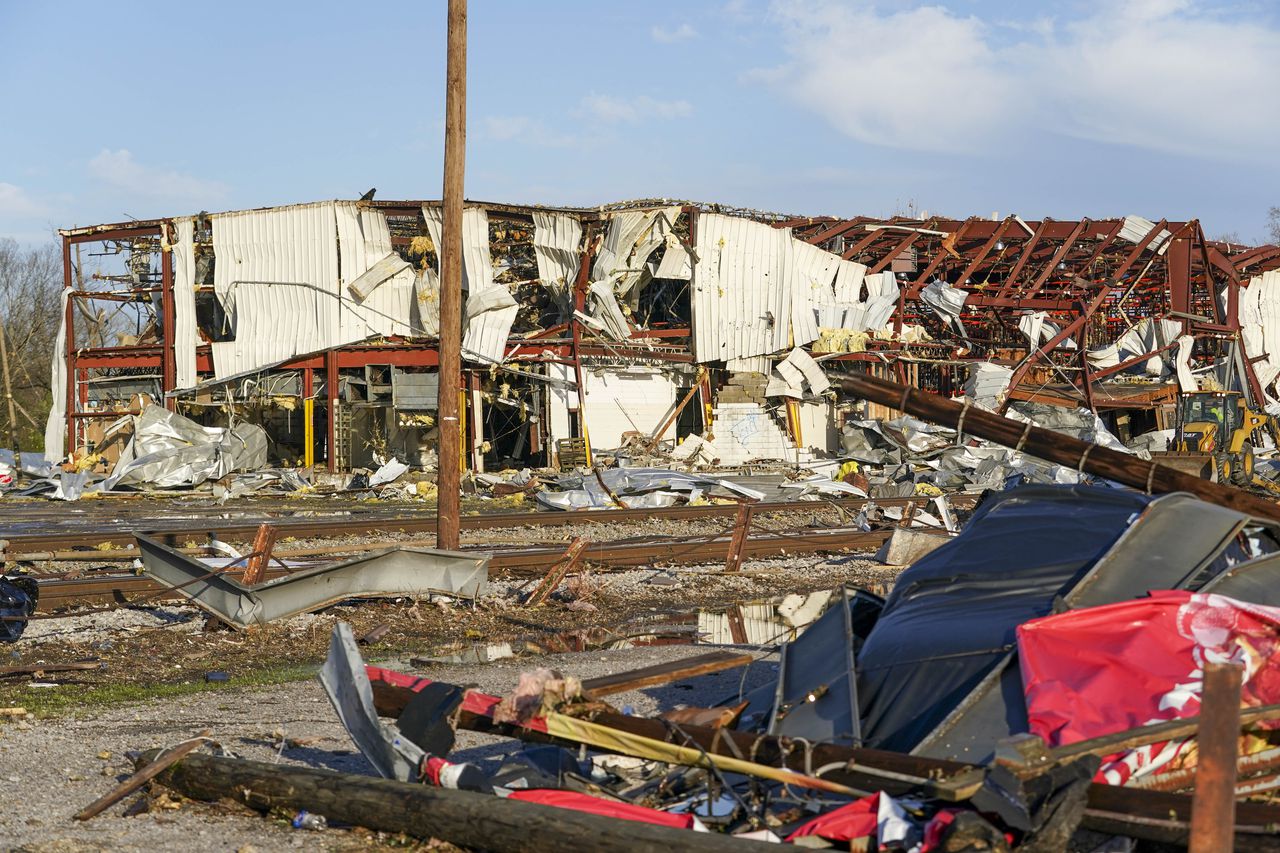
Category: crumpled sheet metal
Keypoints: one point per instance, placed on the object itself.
(387, 573)
(637, 488)
(168, 450)
(343, 675)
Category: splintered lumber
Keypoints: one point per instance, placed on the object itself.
(571, 560)
(157, 764)
(1154, 733)
(464, 818)
(1213, 810)
(663, 673)
(741, 529)
(255, 569)
(1124, 468)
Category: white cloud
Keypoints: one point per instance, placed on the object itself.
(614, 110)
(684, 32)
(1146, 73)
(15, 203)
(523, 129)
(118, 169)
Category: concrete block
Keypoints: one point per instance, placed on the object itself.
(904, 547)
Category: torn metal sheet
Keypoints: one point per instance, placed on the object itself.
(185, 334)
(55, 425)
(388, 573)
(347, 683)
(621, 262)
(947, 302)
(607, 313)
(815, 696)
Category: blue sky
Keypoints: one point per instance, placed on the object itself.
(1166, 108)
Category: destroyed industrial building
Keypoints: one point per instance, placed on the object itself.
(989, 402)
(694, 332)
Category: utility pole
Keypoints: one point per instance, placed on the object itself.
(455, 147)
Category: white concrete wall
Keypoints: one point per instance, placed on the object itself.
(818, 426)
(618, 400)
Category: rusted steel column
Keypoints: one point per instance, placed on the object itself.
(449, 475)
(1213, 810)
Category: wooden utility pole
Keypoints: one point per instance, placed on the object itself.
(455, 147)
(1213, 812)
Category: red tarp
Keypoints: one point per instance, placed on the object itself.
(604, 808)
(859, 819)
(1108, 669)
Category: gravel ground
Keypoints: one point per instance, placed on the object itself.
(61, 765)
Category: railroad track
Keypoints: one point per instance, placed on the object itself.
(178, 530)
(123, 589)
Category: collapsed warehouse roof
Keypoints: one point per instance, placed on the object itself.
(591, 328)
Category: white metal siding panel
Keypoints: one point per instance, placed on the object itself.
(741, 301)
(810, 273)
(1259, 314)
(486, 333)
(556, 238)
(55, 426)
(364, 240)
(629, 241)
(185, 337)
(849, 277)
(282, 265)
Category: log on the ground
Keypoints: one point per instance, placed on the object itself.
(463, 818)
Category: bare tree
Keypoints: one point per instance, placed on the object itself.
(1273, 224)
(30, 304)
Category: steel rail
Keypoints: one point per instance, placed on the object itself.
(117, 588)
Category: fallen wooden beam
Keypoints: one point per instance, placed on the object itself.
(158, 763)
(470, 820)
(663, 673)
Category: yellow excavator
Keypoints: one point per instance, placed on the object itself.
(1214, 437)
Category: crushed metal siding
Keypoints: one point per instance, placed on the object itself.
(365, 243)
(1258, 311)
(629, 241)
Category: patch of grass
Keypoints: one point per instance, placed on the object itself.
(73, 699)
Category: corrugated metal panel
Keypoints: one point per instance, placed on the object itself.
(185, 337)
(364, 241)
(277, 275)
(676, 262)
(1259, 314)
(1137, 227)
(752, 364)
(490, 308)
(556, 239)
(810, 273)
(849, 277)
(630, 240)
(55, 426)
(741, 301)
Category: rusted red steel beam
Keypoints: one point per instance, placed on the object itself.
(898, 248)
(1028, 250)
(982, 253)
(1057, 257)
(1086, 311)
(945, 249)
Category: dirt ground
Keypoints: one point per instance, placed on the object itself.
(158, 683)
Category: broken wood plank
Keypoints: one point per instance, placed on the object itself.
(741, 529)
(158, 764)
(1155, 733)
(572, 559)
(34, 668)
(663, 673)
(1213, 809)
(464, 818)
(256, 567)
